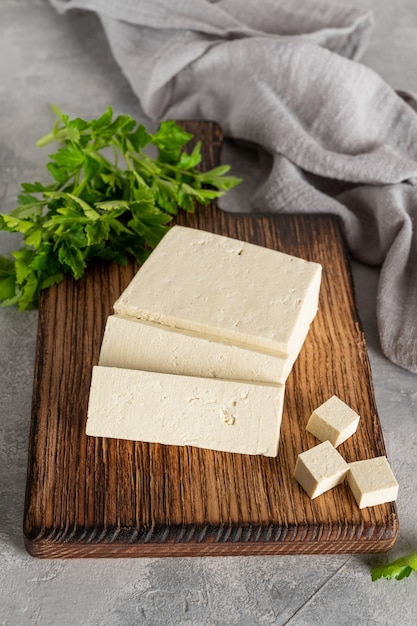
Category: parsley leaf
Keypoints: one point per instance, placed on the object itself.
(107, 198)
(7, 278)
(398, 569)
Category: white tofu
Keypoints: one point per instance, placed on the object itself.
(209, 413)
(134, 344)
(225, 289)
(319, 469)
(372, 482)
(333, 420)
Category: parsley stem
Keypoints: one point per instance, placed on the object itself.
(53, 135)
(77, 191)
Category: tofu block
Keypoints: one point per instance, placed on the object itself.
(162, 408)
(135, 344)
(333, 420)
(225, 289)
(319, 469)
(372, 482)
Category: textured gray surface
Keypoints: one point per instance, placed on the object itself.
(46, 58)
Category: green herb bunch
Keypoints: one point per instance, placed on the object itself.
(398, 569)
(108, 199)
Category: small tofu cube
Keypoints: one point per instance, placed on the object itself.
(334, 421)
(319, 469)
(372, 482)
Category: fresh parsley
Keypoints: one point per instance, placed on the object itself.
(107, 198)
(398, 569)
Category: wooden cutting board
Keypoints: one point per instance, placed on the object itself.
(96, 497)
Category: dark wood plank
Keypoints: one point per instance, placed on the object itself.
(95, 497)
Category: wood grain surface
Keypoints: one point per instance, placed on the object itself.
(97, 497)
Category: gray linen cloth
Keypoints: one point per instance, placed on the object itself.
(311, 129)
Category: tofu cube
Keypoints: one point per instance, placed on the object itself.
(372, 482)
(319, 469)
(334, 421)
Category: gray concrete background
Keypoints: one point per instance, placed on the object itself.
(47, 58)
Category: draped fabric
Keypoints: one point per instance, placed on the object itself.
(309, 127)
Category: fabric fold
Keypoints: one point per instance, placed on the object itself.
(309, 127)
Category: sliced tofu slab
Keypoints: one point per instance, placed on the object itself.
(226, 289)
(135, 344)
(208, 413)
